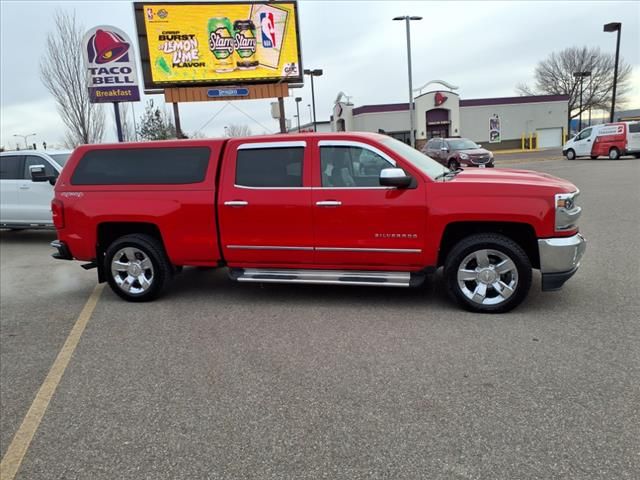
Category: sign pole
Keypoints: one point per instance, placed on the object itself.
(176, 118)
(283, 123)
(116, 110)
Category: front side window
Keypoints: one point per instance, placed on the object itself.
(350, 166)
(270, 167)
(32, 160)
(585, 134)
(142, 166)
(11, 167)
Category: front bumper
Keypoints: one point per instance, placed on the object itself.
(559, 259)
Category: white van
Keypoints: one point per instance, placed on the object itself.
(23, 202)
(611, 140)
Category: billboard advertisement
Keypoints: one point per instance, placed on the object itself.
(214, 43)
(111, 66)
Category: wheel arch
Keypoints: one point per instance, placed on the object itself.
(108, 232)
(521, 233)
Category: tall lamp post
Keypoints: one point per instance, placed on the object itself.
(407, 19)
(298, 100)
(24, 137)
(313, 73)
(614, 27)
(581, 76)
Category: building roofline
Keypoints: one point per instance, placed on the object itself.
(475, 102)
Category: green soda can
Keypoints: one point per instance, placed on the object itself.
(221, 44)
(245, 44)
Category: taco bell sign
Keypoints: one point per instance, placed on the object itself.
(111, 66)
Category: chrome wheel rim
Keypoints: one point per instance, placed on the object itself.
(132, 270)
(487, 277)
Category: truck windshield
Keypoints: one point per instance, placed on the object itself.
(419, 160)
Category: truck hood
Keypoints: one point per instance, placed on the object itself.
(507, 176)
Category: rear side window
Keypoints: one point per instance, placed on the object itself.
(11, 167)
(142, 166)
(634, 128)
(270, 167)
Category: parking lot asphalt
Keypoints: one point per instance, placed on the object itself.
(219, 380)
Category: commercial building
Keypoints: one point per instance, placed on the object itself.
(502, 122)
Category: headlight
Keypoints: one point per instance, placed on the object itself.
(464, 156)
(567, 212)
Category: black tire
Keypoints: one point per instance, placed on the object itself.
(490, 242)
(593, 157)
(453, 165)
(614, 154)
(571, 154)
(161, 271)
(637, 155)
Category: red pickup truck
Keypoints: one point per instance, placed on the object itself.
(339, 208)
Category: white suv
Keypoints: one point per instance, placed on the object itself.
(23, 202)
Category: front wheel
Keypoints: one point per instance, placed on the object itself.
(571, 155)
(487, 273)
(137, 267)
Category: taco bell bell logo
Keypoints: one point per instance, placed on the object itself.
(268, 28)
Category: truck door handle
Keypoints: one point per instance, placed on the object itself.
(24, 187)
(329, 203)
(236, 203)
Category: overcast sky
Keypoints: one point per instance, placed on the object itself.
(485, 48)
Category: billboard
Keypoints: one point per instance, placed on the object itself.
(215, 43)
(111, 66)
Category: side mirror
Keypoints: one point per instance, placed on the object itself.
(394, 177)
(39, 174)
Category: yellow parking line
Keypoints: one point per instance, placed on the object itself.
(22, 439)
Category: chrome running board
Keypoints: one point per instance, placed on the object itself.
(326, 277)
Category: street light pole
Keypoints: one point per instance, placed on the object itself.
(407, 20)
(613, 27)
(581, 76)
(313, 73)
(24, 137)
(298, 100)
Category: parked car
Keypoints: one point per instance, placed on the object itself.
(24, 203)
(457, 152)
(330, 208)
(611, 140)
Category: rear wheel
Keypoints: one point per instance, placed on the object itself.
(137, 267)
(571, 155)
(487, 273)
(614, 154)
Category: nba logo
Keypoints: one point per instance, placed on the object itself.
(268, 28)
(149, 14)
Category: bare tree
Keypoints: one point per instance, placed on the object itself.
(63, 73)
(237, 131)
(555, 76)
